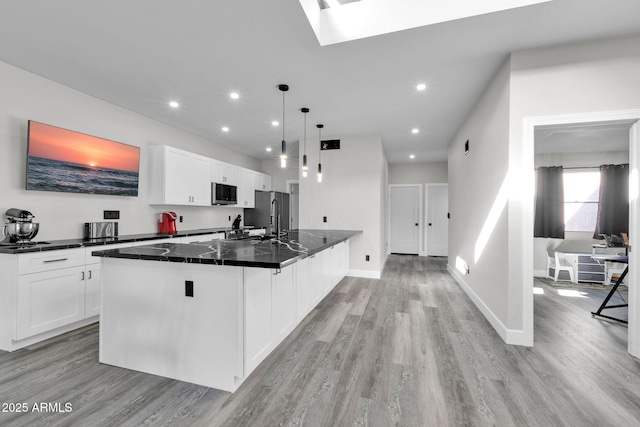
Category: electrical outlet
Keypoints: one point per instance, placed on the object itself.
(111, 214)
(188, 288)
(181, 218)
(366, 257)
(324, 219)
(229, 217)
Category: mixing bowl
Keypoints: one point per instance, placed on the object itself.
(21, 231)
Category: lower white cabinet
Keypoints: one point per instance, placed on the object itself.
(49, 299)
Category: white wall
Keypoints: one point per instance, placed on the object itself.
(477, 202)
(350, 196)
(26, 96)
(588, 77)
(418, 173)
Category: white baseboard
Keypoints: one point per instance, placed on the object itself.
(510, 336)
(367, 274)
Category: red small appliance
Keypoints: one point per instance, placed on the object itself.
(167, 223)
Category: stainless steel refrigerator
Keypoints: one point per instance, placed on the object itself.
(264, 215)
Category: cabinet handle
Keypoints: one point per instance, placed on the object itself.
(82, 275)
(47, 261)
(89, 274)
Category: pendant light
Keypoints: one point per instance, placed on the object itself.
(304, 156)
(283, 152)
(319, 151)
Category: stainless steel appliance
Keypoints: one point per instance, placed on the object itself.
(100, 230)
(223, 194)
(21, 228)
(264, 215)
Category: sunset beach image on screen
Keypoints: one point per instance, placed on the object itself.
(63, 160)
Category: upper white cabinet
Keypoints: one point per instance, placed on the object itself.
(178, 177)
(261, 182)
(246, 189)
(224, 173)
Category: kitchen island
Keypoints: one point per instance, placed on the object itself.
(209, 312)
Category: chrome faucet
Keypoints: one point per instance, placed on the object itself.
(275, 216)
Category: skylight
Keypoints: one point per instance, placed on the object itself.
(338, 21)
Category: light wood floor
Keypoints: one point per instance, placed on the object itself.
(407, 350)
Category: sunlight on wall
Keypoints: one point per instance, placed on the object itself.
(538, 291)
(492, 219)
(461, 266)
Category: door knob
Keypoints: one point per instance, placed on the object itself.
(416, 224)
(429, 224)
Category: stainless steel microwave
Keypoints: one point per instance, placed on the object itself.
(223, 194)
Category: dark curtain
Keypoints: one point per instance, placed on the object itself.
(549, 219)
(613, 203)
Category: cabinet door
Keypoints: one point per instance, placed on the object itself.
(258, 311)
(283, 303)
(303, 289)
(228, 173)
(49, 299)
(200, 177)
(176, 177)
(216, 171)
(248, 189)
(92, 286)
(315, 279)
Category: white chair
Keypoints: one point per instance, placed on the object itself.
(558, 263)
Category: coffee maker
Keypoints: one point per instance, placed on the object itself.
(167, 223)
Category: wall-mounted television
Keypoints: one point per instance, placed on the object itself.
(63, 160)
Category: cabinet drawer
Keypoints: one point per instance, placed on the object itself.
(36, 262)
(597, 268)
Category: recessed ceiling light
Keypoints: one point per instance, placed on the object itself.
(275, 123)
(421, 86)
(234, 95)
(415, 130)
(412, 156)
(269, 149)
(173, 104)
(225, 129)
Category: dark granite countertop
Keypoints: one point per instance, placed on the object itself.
(80, 243)
(274, 253)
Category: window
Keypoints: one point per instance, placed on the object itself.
(581, 192)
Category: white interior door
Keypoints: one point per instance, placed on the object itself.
(404, 218)
(437, 219)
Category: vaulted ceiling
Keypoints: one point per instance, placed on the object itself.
(142, 54)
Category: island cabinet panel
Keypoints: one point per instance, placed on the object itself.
(315, 279)
(258, 321)
(303, 290)
(284, 303)
(150, 323)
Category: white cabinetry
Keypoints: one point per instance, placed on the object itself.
(178, 177)
(246, 189)
(262, 182)
(50, 291)
(223, 173)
